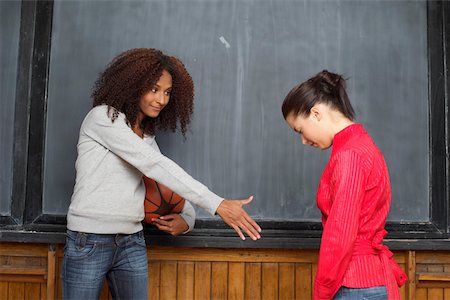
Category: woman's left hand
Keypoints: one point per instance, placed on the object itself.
(172, 224)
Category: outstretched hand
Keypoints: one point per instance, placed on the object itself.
(235, 216)
(173, 224)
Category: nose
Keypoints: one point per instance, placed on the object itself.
(162, 99)
(304, 141)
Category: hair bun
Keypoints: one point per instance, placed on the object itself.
(329, 83)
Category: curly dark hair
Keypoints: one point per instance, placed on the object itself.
(132, 74)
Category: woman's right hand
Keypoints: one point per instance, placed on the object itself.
(235, 216)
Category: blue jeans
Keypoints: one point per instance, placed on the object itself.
(374, 293)
(89, 258)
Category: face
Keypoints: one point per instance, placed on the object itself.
(311, 129)
(157, 98)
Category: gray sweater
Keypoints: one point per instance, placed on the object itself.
(108, 196)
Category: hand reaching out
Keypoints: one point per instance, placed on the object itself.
(235, 216)
(173, 224)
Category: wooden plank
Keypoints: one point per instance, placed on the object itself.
(303, 283)
(410, 292)
(23, 278)
(400, 258)
(403, 288)
(3, 290)
(4, 270)
(269, 288)
(253, 281)
(434, 276)
(432, 257)
(51, 268)
(104, 293)
(421, 293)
(16, 290)
(219, 280)
(236, 280)
(154, 280)
(44, 292)
(59, 263)
(202, 281)
(286, 281)
(168, 289)
(18, 249)
(447, 290)
(435, 292)
(32, 291)
(232, 255)
(185, 285)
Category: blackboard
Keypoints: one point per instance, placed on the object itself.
(9, 45)
(244, 56)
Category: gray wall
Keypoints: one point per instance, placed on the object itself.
(244, 57)
(9, 49)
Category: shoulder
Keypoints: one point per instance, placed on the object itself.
(351, 159)
(103, 114)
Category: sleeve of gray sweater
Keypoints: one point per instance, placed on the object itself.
(119, 138)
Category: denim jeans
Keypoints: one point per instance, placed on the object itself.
(374, 293)
(89, 258)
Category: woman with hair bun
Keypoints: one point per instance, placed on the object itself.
(140, 91)
(354, 194)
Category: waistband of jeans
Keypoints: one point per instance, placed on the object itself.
(104, 237)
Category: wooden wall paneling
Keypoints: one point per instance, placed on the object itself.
(185, 285)
(286, 281)
(303, 282)
(236, 280)
(51, 271)
(202, 280)
(403, 288)
(434, 292)
(269, 278)
(44, 292)
(421, 292)
(168, 280)
(154, 279)
(219, 280)
(447, 290)
(16, 290)
(104, 293)
(410, 270)
(32, 291)
(253, 281)
(3, 290)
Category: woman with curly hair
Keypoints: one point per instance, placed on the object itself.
(354, 194)
(140, 91)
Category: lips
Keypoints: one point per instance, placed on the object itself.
(156, 108)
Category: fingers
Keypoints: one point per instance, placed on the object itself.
(239, 232)
(235, 216)
(161, 222)
(247, 201)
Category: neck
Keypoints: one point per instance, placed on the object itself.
(137, 125)
(339, 124)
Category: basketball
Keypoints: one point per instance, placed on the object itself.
(160, 200)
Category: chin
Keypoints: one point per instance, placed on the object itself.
(152, 114)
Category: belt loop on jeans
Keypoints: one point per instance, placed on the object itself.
(80, 241)
(141, 234)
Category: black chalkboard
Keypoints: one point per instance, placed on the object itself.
(9, 45)
(244, 56)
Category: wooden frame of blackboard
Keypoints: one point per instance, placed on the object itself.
(27, 223)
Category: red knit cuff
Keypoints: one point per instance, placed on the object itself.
(321, 292)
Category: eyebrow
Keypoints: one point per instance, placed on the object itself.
(157, 85)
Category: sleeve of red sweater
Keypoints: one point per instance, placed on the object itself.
(341, 227)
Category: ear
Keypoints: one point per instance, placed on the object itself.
(315, 113)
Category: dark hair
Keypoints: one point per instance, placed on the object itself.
(325, 87)
(132, 74)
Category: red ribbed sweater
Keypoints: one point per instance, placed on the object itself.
(354, 197)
